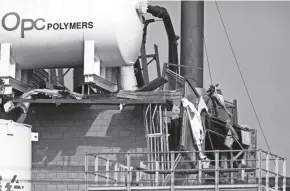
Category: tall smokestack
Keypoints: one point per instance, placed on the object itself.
(192, 30)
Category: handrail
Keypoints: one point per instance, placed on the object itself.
(158, 177)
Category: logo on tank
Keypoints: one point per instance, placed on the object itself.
(13, 185)
(28, 24)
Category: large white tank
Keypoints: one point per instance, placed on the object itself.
(15, 160)
(117, 31)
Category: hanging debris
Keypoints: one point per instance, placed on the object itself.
(215, 95)
(38, 94)
(197, 128)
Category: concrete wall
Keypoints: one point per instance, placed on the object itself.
(67, 132)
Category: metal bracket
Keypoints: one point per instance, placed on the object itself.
(34, 137)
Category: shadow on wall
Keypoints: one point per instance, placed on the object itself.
(67, 132)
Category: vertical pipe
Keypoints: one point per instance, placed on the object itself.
(127, 78)
(192, 30)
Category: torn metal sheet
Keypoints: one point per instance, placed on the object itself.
(231, 135)
(229, 140)
(246, 136)
(39, 93)
(175, 112)
(216, 96)
(196, 126)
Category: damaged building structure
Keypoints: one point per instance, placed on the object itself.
(118, 130)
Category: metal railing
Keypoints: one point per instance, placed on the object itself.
(226, 169)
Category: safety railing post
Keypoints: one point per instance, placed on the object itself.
(128, 172)
(86, 172)
(216, 170)
(116, 174)
(267, 171)
(157, 173)
(232, 167)
(199, 172)
(284, 174)
(97, 170)
(172, 171)
(277, 173)
(107, 172)
(243, 174)
(260, 170)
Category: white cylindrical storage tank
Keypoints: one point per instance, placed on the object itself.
(114, 25)
(16, 155)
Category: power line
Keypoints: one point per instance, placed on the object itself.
(207, 61)
(242, 77)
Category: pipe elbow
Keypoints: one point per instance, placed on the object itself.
(157, 11)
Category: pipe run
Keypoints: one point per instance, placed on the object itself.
(163, 14)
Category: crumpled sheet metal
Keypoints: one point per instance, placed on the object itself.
(217, 97)
(51, 93)
(54, 94)
(196, 125)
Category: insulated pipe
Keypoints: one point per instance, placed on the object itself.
(163, 14)
(192, 30)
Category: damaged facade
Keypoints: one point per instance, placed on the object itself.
(184, 131)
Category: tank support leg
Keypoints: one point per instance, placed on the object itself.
(94, 73)
(92, 66)
(8, 66)
(11, 77)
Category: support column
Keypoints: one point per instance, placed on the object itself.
(8, 67)
(127, 78)
(103, 72)
(94, 73)
(92, 65)
(12, 76)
